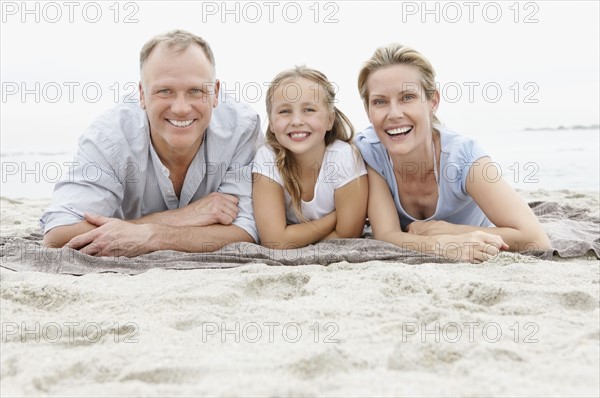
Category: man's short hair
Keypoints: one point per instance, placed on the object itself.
(178, 40)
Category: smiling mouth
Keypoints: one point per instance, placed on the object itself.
(180, 123)
(298, 135)
(401, 131)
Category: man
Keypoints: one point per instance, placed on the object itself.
(167, 173)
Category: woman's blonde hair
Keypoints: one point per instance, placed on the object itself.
(342, 130)
(394, 54)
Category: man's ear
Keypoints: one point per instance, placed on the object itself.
(142, 102)
(216, 97)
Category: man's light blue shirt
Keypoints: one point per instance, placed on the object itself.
(117, 173)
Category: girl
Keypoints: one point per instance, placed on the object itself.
(309, 183)
(428, 186)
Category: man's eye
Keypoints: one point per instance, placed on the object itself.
(408, 97)
(164, 91)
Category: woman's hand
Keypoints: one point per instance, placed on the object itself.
(459, 242)
(474, 247)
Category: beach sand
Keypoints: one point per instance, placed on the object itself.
(515, 326)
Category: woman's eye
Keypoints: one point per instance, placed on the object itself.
(378, 102)
(284, 111)
(408, 97)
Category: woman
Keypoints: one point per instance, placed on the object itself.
(429, 188)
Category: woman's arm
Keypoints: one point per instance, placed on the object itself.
(514, 220)
(351, 209)
(474, 246)
(270, 215)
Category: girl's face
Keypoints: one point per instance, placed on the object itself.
(300, 116)
(398, 108)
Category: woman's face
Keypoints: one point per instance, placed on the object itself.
(398, 108)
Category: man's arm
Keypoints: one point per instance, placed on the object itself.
(115, 237)
(59, 236)
(112, 155)
(196, 232)
(92, 183)
(213, 209)
(232, 203)
(199, 239)
(231, 222)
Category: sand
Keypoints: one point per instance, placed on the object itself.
(515, 326)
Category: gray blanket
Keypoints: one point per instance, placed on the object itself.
(572, 231)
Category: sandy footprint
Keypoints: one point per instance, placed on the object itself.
(283, 286)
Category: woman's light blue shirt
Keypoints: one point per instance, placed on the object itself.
(458, 153)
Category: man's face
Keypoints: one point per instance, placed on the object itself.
(178, 92)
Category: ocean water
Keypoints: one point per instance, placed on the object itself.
(529, 160)
(547, 159)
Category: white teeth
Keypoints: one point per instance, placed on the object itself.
(180, 123)
(400, 130)
(298, 135)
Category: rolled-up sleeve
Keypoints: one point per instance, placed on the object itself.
(89, 185)
(238, 178)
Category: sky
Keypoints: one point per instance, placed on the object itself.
(501, 66)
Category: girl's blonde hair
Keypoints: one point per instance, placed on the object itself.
(342, 130)
(394, 54)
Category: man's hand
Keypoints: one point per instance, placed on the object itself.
(215, 208)
(113, 237)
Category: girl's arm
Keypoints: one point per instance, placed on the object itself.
(474, 246)
(351, 209)
(269, 213)
(514, 220)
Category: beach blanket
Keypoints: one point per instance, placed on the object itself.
(572, 232)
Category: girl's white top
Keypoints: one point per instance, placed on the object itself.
(340, 165)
